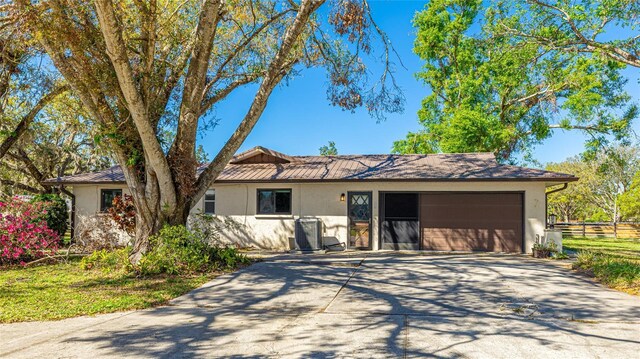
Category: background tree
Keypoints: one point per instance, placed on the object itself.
(42, 130)
(614, 170)
(329, 149)
(570, 204)
(141, 68)
(58, 142)
(630, 200)
(494, 91)
(605, 190)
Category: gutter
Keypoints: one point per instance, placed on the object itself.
(546, 202)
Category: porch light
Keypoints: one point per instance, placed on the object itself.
(342, 197)
(552, 220)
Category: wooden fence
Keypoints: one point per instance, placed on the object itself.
(600, 230)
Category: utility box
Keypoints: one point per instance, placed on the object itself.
(554, 235)
(308, 234)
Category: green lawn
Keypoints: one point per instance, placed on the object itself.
(618, 248)
(614, 262)
(65, 290)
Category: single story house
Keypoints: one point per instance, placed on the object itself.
(446, 202)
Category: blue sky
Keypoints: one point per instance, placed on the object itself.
(299, 119)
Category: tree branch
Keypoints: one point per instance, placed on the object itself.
(18, 185)
(26, 121)
(195, 81)
(221, 94)
(117, 53)
(273, 76)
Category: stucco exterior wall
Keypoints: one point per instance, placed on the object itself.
(322, 200)
(88, 198)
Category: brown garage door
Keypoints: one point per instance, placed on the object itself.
(471, 221)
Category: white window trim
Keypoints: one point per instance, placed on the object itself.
(205, 201)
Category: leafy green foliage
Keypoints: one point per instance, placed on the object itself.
(492, 91)
(329, 149)
(630, 200)
(116, 260)
(57, 215)
(175, 250)
(544, 249)
(621, 274)
(605, 189)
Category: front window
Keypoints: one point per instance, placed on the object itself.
(106, 198)
(274, 201)
(210, 202)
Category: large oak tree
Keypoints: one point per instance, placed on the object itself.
(142, 66)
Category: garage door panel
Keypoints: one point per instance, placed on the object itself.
(471, 221)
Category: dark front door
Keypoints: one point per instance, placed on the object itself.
(359, 213)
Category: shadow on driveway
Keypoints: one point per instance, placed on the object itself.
(383, 306)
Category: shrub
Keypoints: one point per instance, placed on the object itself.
(123, 213)
(24, 234)
(57, 212)
(544, 249)
(176, 250)
(108, 261)
(94, 233)
(615, 272)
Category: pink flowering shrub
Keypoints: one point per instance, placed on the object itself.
(24, 234)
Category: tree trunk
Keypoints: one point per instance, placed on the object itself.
(150, 220)
(144, 230)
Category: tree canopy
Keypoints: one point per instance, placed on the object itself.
(43, 128)
(497, 84)
(149, 72)
(329, 149)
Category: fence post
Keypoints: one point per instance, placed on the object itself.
(584, 229)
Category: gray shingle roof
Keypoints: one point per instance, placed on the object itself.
(433, 167)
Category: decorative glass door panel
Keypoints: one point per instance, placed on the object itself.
(359, 213)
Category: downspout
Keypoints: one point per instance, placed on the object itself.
(546, 201)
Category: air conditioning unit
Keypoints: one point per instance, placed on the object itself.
(308, 235)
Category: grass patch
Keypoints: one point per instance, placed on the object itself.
(615, 247)
(614, 262)
(64, 290)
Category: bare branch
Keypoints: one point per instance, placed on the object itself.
(221, 94)
(273, 76)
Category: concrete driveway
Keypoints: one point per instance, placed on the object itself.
(378, 306)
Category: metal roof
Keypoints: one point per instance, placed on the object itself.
(432, 167)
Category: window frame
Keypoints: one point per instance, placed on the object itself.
(205, 201)
(103, 207)
(274, 190)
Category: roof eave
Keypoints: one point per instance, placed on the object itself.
(71, 183)
(333, 180)
(556, 180)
